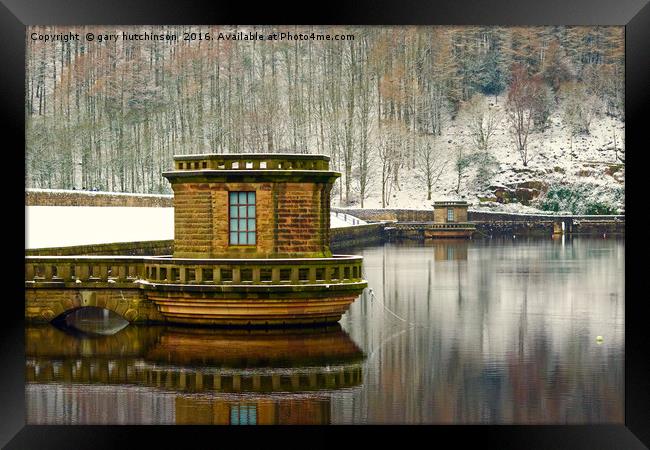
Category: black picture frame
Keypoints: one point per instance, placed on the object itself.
(15, 15)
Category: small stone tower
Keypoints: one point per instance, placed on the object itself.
(251, 205)
(450, 211)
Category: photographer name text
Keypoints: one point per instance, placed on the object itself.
(188, 36)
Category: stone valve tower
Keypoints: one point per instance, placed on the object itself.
(251, 247)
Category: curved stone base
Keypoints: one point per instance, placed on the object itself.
(205, 305)
(451, 233)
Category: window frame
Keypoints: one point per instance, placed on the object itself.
(248, 408)
(450, 213)
(230, 231)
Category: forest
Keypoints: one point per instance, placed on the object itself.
(110, 115)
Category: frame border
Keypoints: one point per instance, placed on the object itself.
(15, 15)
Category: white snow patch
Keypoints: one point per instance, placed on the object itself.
(559, 159)
(344, 220)
(63, 226)
(96, 193)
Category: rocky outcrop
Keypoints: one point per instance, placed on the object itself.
(521, 192)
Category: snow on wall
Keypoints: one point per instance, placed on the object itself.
(62, 226)
(95, 193)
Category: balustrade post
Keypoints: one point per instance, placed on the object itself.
(29, 271)
(199, 381)
(130, 273)
(122, 272)
(236, 275)
(83, 272)
(103, 272)
(139, 270)
(63, 271)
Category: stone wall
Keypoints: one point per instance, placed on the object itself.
(302, 218)
(489, 216)
(440, 214)
(148, 248)
(56, 197)
(345, 237)
(546, 227)
(495, 223)
(518, 228)
(43, 305)
(292, 220)
(193, 207)
(401, 215)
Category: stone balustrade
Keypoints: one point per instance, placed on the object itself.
(166, 270)
(450, 225)
(251, 161)
(71, 269)
(435, 226)
(139, 372)
(290, 271)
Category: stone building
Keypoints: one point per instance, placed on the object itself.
(450, 211)
(251, 247)
(449, 220)
(251, 205)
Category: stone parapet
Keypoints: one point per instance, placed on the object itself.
(60, 197)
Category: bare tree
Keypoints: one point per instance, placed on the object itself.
(580, 108)
(520, 107)
(111, 115)
(462, 161)
(482, 122)
(429, 163)
(389, 148)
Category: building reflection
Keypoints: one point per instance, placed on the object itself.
(448, 249)
(195, 376)
(507, 336)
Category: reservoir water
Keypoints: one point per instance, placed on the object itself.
(500, 331)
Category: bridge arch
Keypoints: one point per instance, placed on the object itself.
(46, 305)
(90, 321)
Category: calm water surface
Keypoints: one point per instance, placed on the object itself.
(460, 332)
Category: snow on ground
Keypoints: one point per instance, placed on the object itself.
(95, 193)
(63, 226)
(559, 158)
(344, 220)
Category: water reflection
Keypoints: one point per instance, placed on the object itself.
(505, 335)
(491, 331)
(91, 321)
(448, 249)
(188, 375)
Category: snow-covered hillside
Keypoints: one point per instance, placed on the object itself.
(586, 161)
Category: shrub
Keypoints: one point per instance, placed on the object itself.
(583, 198)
